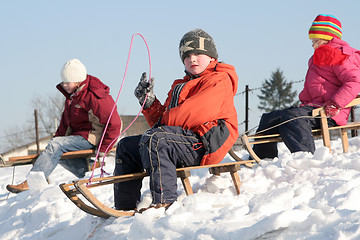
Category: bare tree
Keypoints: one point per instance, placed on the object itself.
(49, 110)
(16, 136)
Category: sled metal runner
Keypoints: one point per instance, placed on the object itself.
(78, 190)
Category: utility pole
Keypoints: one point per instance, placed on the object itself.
(246, 108)
(37, 132)
(352, 117)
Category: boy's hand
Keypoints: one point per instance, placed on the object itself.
(143, 88)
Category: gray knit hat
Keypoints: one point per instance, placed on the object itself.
(197, 41)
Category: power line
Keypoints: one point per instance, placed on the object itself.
(255, 89)
(23, 132)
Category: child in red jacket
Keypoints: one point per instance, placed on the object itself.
(197, 124)
(88, 105)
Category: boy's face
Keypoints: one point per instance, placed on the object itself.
(317, 42)
(197, 63)
(69, 87)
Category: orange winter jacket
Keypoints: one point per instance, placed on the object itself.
(205, 105)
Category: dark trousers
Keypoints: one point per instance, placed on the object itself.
(296, 134)
(159, 151)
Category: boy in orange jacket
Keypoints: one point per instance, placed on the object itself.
(197, 124)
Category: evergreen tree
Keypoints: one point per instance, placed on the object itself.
(276, 93)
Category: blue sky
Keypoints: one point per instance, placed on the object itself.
(257, 37)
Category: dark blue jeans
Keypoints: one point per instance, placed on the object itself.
(159, 151)
(296, 134)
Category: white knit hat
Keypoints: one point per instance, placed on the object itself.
(73, 71)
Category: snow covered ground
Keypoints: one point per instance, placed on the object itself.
(295, 196)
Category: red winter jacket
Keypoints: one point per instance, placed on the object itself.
(87, 111)
(204, 105)
(333, 74)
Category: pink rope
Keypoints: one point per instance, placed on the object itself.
(114, 107)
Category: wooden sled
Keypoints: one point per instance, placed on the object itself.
(30, 159)
(97, 208)
(323, 132)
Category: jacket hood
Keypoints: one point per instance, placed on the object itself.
(97, 87)
(92, 84)
(335, 42)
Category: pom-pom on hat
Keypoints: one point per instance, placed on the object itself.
(73, 71)
(197, 41)
(325, 27)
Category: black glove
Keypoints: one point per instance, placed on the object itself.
(143, 88)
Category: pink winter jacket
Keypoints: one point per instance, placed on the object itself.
(333, 74)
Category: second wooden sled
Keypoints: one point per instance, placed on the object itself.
(323, 132)
(97, 208)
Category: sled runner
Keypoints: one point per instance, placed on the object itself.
(78, 190)
(72, 190)
(323, 132)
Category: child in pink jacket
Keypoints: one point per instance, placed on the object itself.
(332, 81)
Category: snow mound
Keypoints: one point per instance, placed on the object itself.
(294, 196)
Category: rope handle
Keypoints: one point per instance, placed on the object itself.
(113, 109)
(279, 124)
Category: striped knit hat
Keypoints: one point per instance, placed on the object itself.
(325, 27)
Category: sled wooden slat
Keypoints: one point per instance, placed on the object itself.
(238, 159)
(232, 169)
(184, 176)
(71, 190)
(323, 132)
(29, 159)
